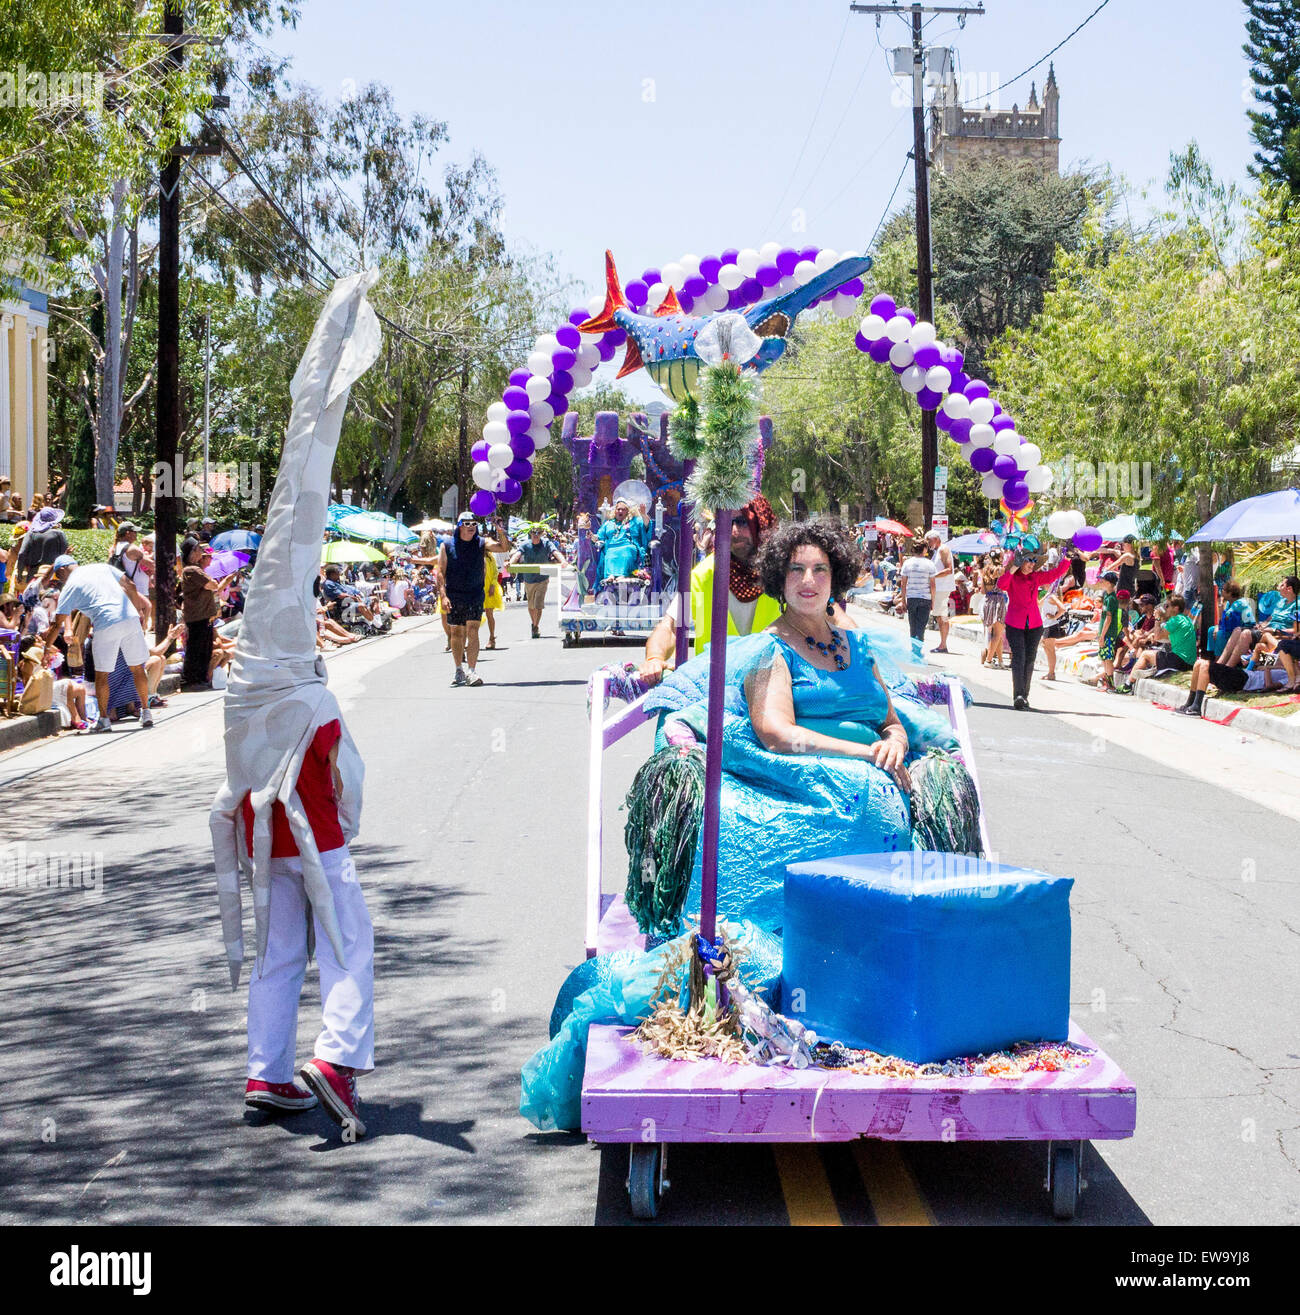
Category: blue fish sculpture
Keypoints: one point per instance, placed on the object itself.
(663, 343)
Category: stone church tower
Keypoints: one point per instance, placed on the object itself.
(960, 134)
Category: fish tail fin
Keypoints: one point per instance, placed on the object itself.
(614, 300)
(670, 305)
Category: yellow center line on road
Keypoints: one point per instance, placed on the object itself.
(894, 1195)
(809, 1200)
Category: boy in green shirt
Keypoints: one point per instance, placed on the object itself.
(1109, 632)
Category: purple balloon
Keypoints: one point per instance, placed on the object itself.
(768, 275)
(563, 359)
(510, 491)
(810, 253)
(695, 286)
(735, 299)
(853, 288)
(976, 388)
(615, 337)
(518, 378)
(982, 460)
(928, 400)
(1004, 467)
(879, 350)
(480, 450)
(520, 469)
(686, 302)
(519, 422)
(961, 430)
(636, 293)
(578, 315)
(650, 277)
(861, 343)
(927, 356)
(1002, 422)
(606, 350)
(908, 314)
(481, 502)
(883, 304)
(1015, 487)
(561, 382)
(997, 409)
(943, 421)
(567, 336)
(786, 259)
(522, 446)
(751, 289)
(515, 398)
(959, 381)
(897, 369)
(730, 256)
(709, 269)
(1088, 539)
(558, 403)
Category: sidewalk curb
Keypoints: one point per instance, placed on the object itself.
(1282, 730)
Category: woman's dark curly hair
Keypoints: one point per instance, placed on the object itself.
(779, 547)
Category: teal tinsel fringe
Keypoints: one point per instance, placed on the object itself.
(664, 809)
(945, 805)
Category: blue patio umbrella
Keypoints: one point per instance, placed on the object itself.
(376, 527)
(980, 542)
(1118, 526)
(236, 541)
(1265, 518)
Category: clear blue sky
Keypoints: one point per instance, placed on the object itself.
(680, 126)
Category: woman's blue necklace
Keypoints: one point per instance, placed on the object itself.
(831, 650)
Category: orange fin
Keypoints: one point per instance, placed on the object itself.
(670, 305)
(632, 361)
(614, 300)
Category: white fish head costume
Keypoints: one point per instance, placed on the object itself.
(277, 697)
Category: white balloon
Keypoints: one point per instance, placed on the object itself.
(499, 410)
(1039, 480)
(937, 378)
(825, 259)
(1077, 521)
(482, 474)
(1033, 456)
(844, 305)
(730, 277)
(588, 356)
(982, 435)
(1059, 523)
(547, 343)
(496, 432)
(748, 262)
(981, 410)
(538, 389)
(657, 293)
(768, 252)
(897, 329)
(1007, 443)
(540, 364)
(538, 431)
(991, 486)
(716, 297)
(849, 255)
(923, 332)
(787, 284)
(500, 455)
(900, 354)
(540, 438)
(673, 274)
(912, 379)
(540, 413)
(956, 406)
(596, 304)
(872, 327)
(690, 264)
(804, 272)
(499, 478)
(581, 375)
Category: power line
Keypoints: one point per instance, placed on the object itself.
(848, 106)
(1003, 85)
(884, 214)
(880, 146)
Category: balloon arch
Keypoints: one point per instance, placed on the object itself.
(519, 425)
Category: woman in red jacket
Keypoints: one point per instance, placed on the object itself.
(1024, 622)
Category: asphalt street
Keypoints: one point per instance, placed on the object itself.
(122, 1099)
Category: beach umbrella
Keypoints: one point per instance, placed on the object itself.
(979, 542)
(226, 563)
(434, 525)
(1265, 518)
(885, 526)
(236, 541)
(341, 551)
(377, 526)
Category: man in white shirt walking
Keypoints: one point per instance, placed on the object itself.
(945, 580)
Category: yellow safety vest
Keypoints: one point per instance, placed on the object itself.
(766, 611)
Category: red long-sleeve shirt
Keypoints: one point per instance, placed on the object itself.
(1022, 594)
(316, 790)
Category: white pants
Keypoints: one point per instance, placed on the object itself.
(347, 989)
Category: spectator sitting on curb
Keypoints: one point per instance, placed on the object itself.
(1229, 680)
(1278, 625)
(1175, 647)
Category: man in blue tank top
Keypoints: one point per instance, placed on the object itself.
(461, 576)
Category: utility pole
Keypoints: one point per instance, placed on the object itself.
(921, 163)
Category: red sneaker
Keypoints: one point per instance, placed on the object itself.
(337, 1088)
(260, 1095)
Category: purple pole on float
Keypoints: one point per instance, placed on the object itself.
(713, 746)
(685, 560)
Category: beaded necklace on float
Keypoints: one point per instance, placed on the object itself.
(831, 650)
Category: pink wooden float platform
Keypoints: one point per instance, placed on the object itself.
(709, 1101)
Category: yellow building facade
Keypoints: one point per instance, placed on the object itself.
(24, 385)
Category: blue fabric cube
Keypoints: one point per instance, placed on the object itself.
(926, 956)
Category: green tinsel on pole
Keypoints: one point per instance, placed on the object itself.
(724, 474)
(664, 809)
(684, 440)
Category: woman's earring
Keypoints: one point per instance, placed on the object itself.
(830, 609)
